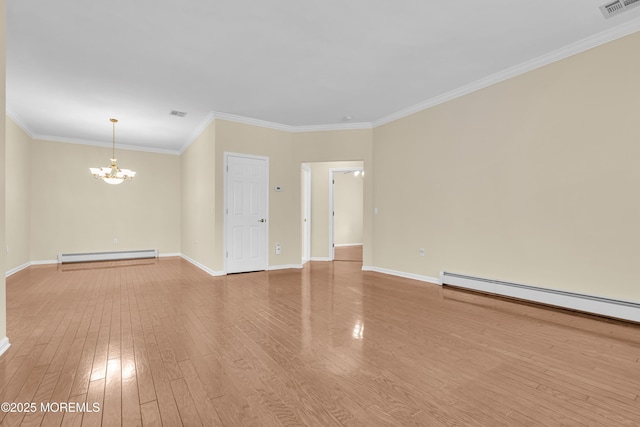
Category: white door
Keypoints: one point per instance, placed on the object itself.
(246, 213)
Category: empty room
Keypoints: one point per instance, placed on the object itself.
(333, 213)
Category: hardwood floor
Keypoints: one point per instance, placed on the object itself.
(163, 343)
(348, 253)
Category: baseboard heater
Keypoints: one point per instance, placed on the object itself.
(618, 309)
(107, 256)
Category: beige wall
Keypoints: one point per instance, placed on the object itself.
(3, 62)
(73, 212)
(348, 204)
(284, 206)
(286, 152)
(18, 196)
(345, 145)
(532, 180)
(320, 207)
(198, 199)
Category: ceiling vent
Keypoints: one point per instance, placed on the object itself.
(182, 113)
(617, 7)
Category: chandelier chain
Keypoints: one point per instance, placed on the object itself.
(112, 174)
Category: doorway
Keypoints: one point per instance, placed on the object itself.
(346, 193)
(321, 211)
(246, 213)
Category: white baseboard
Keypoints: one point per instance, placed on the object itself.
(44, 262)
(55, 261)
(319, 258)
(341, 245)
(15, 270)
(627, 310)
(427, 279)
(284, 267)
(4, 345)
(167, 255)
(202, 267)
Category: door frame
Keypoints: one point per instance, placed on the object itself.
(225, 211)
(306, 213)
(332, 171)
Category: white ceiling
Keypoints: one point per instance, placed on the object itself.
(73, 64)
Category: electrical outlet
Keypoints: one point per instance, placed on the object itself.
(115, 241)
(421, 252)
(278, 249)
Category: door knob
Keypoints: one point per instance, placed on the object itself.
(262, 220)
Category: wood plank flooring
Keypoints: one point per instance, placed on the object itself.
(162, 343)
(348, 253)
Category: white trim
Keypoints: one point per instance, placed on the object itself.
(167, 255)
(342, 245)
(332, 215)
(214, 115)
(44, 262)
(186, 258)
(288, 128)
(330, 127)
(284, 267)
(18, 122)
(204, 124)
(15, 270)
(4, 345)
(104, 144)
(251, 121)
(546, 59)
(202, 267)
(49, 262)
(332, 172)
(29, 264)
(629, 310)
(320, 258)
(228, 154)
(432, 280)
(306, 213)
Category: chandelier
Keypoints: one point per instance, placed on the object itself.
(112, 174)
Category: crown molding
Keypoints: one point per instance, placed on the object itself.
(290, 128)
(214, 115)
(549, 58)
(330, 127)
(251, 121)
(204, 124)
(19, 123)
(101, 144)
(105, 144)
